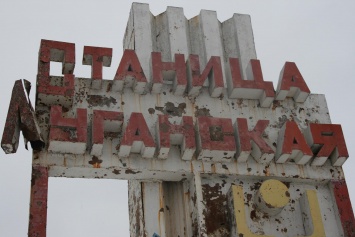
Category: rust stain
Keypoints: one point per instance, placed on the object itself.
(100, 100)
(275, 104)
(216, 133)
(95, 162)
(216, 214)
(172, 110)
(151, 111)
(116, 171)
(129, 171)
(202, 112)
(109, 87)
(240, 103)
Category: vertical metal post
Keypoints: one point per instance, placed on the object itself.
(342, 199)
(38, 203)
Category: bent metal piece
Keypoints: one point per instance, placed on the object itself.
(21, 117)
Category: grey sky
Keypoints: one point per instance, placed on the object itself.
(318, 35)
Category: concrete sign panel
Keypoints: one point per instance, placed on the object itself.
(209, 147)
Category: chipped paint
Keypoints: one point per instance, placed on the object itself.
(21, 117)
(38, 203)
(210, 149)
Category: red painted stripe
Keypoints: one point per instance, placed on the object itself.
(344, 206)
(38, 206)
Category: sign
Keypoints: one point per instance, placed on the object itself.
(209, 147)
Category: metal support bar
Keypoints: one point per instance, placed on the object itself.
(38, 203)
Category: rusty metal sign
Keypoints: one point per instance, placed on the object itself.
(209, 147)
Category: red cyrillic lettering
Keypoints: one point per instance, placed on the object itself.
(215, 139)
(113, 123)
(58, 52)
(213, 71)
(170, 134)
(20, 117)
(130, 73)
(292, 145)
(250, 142)
(97, 57)
(67, 135)
(254, 87)
(175, 71)
(137, 138)
(327, 141)
(292, 84)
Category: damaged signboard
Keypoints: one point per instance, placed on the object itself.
(209, 147)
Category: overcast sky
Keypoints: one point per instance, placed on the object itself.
(318, 35)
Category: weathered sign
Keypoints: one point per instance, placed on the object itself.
(209, 147)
